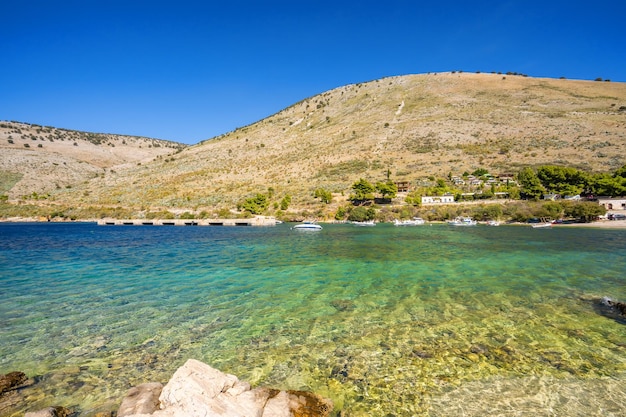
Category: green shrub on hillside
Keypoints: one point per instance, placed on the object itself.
(255, 205)
(284, 203)
(325, 196)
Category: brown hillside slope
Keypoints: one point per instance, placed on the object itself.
(415, 126)
(39, 159)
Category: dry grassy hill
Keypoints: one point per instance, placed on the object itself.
(41, 159)
(414, 125)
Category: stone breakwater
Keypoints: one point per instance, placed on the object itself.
(198, 390)
(253, 221)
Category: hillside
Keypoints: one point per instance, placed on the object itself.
(414, 126)
(41, 159)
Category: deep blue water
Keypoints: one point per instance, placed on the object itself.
(383, 320)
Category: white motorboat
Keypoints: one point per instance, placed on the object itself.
(463, 221)
(307, 226)
(366, 224)
(415, 221)
(493, 223)
(543, 224)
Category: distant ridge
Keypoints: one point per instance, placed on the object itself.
(40, 159)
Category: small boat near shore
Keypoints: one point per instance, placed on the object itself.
(309, 226)
(543, 224)
(368, 223)
(463, 221)
(415, 221)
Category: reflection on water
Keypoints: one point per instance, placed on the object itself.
(429, 320)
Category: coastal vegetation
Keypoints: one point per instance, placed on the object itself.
(532, 185)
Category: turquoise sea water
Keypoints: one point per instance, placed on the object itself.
(386, 321)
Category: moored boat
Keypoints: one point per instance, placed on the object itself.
(366, 223)
(462, 221)
(415, 221)
(543, 224)
(307, 226)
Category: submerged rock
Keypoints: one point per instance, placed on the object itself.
(142, 399)
(343, 305)
(11, 381)
(612, 309)
(50, 412)
(196, 389)
(615, 305)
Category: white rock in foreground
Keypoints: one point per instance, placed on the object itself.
(196, 389)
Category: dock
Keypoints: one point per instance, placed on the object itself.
(254, 221)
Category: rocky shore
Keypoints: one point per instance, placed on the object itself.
(197, 390)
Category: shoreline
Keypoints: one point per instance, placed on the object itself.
(600, 224)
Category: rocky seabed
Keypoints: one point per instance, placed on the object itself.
(197, 390)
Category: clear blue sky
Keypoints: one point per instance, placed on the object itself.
(190, 70)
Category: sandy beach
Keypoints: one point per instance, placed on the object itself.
(604, 224)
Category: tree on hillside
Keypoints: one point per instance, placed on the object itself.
(531, 187)
(440, 188)
(413, 198)
(284, 203)
(562, 180)
(480, 172)
(387, 189)
(363, 192)
(324, 195)
(607, 184)
(255, 205)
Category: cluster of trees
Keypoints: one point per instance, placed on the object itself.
(532, 184)
(363, 191)
(261, 202)
(550, 179)
(520, 211)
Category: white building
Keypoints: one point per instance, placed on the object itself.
(438, 199)
(613, 204)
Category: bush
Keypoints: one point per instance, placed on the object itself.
(284, 203)
(187, 216)
(585, 211)
(361, 214)
(488, 212)
(256, 205)
(340, 214)
(324, 195)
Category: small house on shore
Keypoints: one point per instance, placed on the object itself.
(613, 203)
(403, 186)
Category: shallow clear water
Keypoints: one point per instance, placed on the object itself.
(428, 320)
